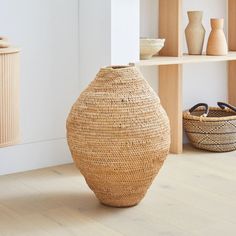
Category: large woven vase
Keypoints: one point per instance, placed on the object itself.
(119, 135)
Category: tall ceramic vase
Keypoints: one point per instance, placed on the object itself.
(195, 33)
(217, 44)
(119, 135)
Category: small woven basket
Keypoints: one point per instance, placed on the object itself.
(212, 129)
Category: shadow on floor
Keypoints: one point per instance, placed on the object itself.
(83, 202)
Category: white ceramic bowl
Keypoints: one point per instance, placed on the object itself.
(150, 47)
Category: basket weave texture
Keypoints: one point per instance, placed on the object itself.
(216, 132)
(119, 135)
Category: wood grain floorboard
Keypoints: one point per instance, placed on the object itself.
(193, 195)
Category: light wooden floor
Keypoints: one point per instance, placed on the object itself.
(194, 194)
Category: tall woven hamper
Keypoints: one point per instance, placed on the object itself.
(119, 135)
(9, 96)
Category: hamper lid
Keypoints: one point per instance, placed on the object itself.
(9, 50)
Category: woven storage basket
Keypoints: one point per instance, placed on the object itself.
(119, 136)
(212, 129)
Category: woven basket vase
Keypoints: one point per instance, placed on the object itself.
(119, 135)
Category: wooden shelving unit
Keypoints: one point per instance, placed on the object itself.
(171, 60)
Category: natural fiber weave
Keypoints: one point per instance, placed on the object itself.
(118, 134)
(216, 132)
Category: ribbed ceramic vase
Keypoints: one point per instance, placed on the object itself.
(217, 44)
(119, 135)
(195, 33)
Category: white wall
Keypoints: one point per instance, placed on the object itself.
(124, 31)
(94, 38)
(47, 32)
(149, 28)
(108, 35)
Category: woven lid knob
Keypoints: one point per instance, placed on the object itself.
(4, 43)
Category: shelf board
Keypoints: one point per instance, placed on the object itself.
(185, 59)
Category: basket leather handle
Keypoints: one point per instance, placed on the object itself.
(200, 105)
(223, 105)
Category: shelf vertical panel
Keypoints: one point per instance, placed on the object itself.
(170, 92)
(231, 24)
(170, 76)
(232, 47)
(170, 13)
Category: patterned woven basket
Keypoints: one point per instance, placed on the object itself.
(212, 129)
(119, 136)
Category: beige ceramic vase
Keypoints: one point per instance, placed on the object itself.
(217, 44)
(195, 33)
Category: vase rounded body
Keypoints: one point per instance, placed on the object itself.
(195, 33)
(119, 135)
(217, 44)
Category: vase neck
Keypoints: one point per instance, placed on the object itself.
(217, 24)
(195, 17)
(112, 72)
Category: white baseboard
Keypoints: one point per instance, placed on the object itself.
(34, 156)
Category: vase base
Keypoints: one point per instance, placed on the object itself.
(127, 199)
(195, 54)
(217, 54)
(9, 143)
(122, 205)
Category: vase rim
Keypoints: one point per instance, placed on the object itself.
(117, 67)
(215, 19)
(194, 11)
